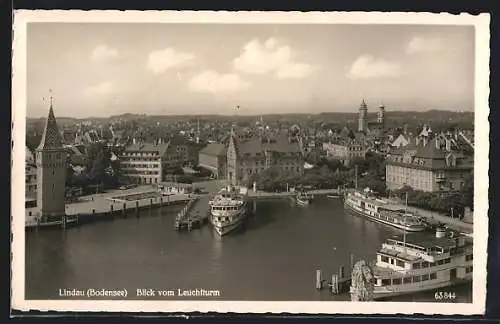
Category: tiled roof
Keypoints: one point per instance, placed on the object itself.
(215, 149)
(148, 147)
(51, 138)
(431, 156)
(279, 144)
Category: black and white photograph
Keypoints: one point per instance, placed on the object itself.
(250, 162)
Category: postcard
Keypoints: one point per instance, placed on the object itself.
(250, 162)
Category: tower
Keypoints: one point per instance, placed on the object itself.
(51, 171)
(363, 111)
(381, 115)
(232, 159)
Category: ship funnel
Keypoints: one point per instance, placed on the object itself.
(440, 232)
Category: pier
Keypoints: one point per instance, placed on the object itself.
(112, 204)
(194, 214)
(291, 193)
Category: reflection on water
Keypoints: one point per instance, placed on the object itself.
(274, 256)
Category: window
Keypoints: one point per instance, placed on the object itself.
(447, 260)
(400, 263)
(468, 257)
(440, 262)
(416, 279)
(416, 265)
(468, 269)
(433, 275)
(425, 264)
(396, 281)
(407, 280)
(386, 282)
(425, 277)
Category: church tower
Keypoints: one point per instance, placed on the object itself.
(362, 121)
(51, 171)
(381, 115)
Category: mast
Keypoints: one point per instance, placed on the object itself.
(356, 176)
(404, 222)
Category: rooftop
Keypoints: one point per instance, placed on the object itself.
(148, 147)
(426, 240)
(215, 149)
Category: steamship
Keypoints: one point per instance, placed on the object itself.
(228, 209)
(421, 262)
(366, 204)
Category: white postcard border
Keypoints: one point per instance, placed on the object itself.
(482, 54)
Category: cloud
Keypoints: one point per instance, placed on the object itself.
(213, 82)
(423, 45)
(367, 67)
(270, 57)
(103, 53)
(101, 88)
(163, 60)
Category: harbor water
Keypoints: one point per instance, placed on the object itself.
(273, 257)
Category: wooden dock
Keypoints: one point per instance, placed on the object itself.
(193, 215)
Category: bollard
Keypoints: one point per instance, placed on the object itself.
(335, 284)
(161, 202)
(151, 203)
(124, 208)
(318, 279)
(111, 209)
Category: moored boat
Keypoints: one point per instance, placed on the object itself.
(228, 209)
(366, 204)
(421, 262)
(303, 199)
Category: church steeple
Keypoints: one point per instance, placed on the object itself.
(51, 138)
(362, 121)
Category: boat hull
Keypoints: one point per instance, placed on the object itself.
(382, 221)
(226, 228)
(382, 294)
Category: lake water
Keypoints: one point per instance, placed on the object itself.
(274, 257)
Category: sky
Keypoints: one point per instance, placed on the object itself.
(98, 70)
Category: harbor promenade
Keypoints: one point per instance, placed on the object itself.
(435, 218)
(116, 202)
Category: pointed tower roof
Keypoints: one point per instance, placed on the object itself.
(51, 138)
(363, 105)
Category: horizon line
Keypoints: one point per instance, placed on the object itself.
(252, 115)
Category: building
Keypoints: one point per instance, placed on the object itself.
(213, 157)
(144, 163)
(177, 153)
(376, 128)
(431, 166)
(363, 119)
(401, 141)
(30, 178)
(252, 156)
(51, 172)
(345, 150)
